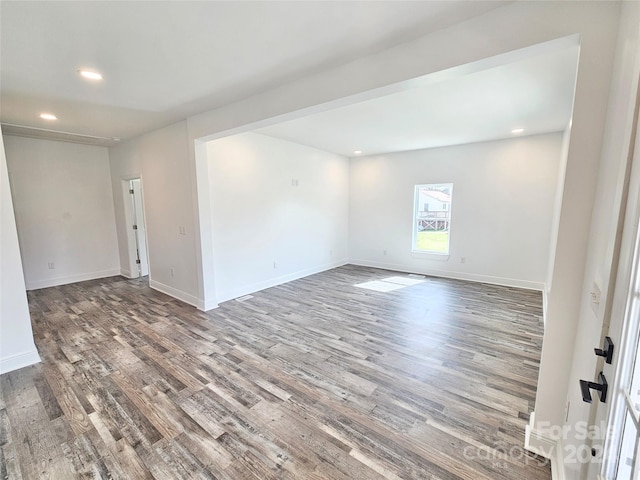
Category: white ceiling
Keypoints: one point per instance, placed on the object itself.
(535, 93)
(163, 61)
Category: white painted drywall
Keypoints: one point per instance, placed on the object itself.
(503, 194)
(160, 160)
(17, 348)
(279, 211)
(64, 210)
(557, 207)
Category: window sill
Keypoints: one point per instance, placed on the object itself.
(440, 257)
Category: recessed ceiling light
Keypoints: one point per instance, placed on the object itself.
(48, 116)
(90, 75)
(517, 130)
(357, 152)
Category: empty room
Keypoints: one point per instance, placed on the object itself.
(320, 240)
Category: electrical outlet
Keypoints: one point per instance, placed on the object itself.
(384, 252)
(173, 272)
(51, 265)
(274, 265)
(463, 259)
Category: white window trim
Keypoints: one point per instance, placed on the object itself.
(422, 254)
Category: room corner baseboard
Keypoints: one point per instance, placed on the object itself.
(471, 277)
(206, 306)
(125, 273)
(21, 360)
(175, 293)
(83, 277)
(546, 446)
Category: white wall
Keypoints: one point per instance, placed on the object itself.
(261, 218)
(557, 208)
(17, 349)
(64, 210)
(160, 159)
(501, 211)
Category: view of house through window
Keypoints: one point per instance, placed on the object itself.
(432, 218)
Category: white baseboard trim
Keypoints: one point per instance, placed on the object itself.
(208, 305)
(472, 277)
(230, 294)
(54, 282)
(21, 360)
(557, 463)
(546, 446)
(125, 273)
(174, 292)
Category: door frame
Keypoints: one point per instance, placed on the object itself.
(132, 270)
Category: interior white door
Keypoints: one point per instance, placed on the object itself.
(140, 231)
(616, 442)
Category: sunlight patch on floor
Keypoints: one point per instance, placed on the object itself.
(389, 284)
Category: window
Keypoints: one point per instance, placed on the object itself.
(432, 218)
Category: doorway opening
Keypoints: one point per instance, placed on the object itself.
(138, 249)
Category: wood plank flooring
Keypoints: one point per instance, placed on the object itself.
(314, 379)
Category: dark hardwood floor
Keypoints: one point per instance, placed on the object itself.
(314, 379)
